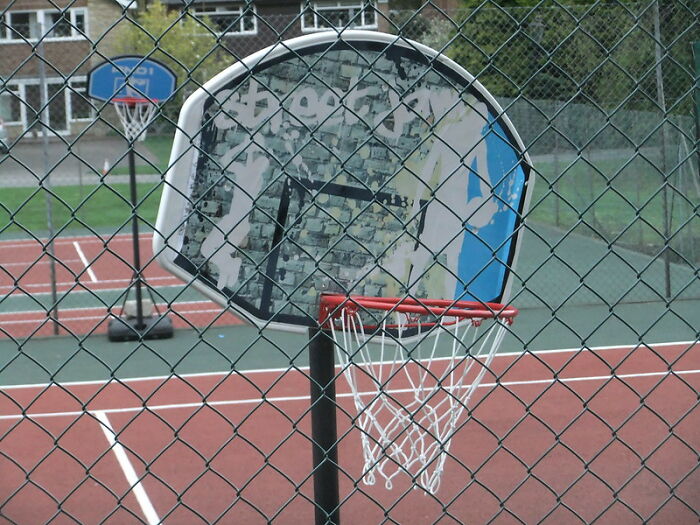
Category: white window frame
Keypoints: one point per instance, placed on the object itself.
(43, 20)
(16, 92)
(69, 100)
(234, 10)
(20, 89)
(10, 36)
(351, 5)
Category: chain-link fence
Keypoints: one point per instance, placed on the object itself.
(588, 412)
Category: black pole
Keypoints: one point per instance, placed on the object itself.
(135, 237)
(324, 432)
(43, 119)
(696, 54)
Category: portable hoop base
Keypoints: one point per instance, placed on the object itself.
(128, 328)
(411, 393)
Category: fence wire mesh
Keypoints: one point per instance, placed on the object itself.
(589, 413)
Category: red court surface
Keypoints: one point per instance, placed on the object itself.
(85, 264)
(608, 435)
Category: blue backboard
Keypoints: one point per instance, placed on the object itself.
(360, 163)
(131, 78)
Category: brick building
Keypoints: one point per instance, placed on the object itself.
(55, 41)
(78, 34)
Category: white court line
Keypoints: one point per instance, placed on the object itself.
(128, 469)
(172, 306)
(285, 369)
(68, 239)
(33, 264)
(282, 399)
(85, 262)
(67, 284)
(103, 317)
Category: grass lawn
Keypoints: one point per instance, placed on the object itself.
(160, 147)
(97, 208)
(619, 198)
(615, 197)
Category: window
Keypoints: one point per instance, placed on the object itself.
(79, 20)
(58, 25)
(65, 24)
(323, 15)
(80, 106)
(10, 105)
(229, 18)
(22, 26)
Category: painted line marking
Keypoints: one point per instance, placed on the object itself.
(109, 381)
(172, 305)
(282, 399)
(33, 264)
(66, 240)
(85, 262)
(102, 317)
(13, 290)
(127, 469)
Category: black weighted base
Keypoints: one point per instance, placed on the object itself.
(125, 329)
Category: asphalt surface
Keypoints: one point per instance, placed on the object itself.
(70, 162)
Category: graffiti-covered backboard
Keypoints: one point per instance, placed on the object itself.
(361, 163)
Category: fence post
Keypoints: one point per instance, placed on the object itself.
(46, 181)
(661, 98)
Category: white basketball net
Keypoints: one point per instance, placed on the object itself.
(410, 398)
(135, 117)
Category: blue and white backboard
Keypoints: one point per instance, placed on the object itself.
(131, 78)
(360, 163)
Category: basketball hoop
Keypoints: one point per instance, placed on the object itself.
(410, 396)
(336, 217)
(135, 114)
(134, 85)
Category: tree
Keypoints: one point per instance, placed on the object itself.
(187, 44)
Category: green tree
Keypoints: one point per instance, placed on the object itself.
(187, 44)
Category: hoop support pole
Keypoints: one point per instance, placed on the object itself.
(324, 431)
(135, 237)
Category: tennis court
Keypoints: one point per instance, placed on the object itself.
(215, 425)
(93, 275)
(360, 262)
(135, 449)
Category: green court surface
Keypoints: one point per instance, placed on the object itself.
(96, 299)
(244, 348)
(559, 268)
(587, 295)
